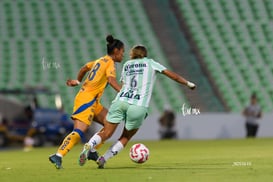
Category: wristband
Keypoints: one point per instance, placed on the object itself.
(190, 84)
(78, 82)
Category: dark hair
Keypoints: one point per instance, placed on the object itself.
(113, 43)
(139, 51)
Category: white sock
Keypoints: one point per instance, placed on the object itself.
(59, 155)
(113, 150)
(94, 141)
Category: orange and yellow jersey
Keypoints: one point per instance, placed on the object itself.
(100, 70)
(87, 101)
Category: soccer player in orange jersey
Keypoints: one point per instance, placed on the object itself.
(87, 106)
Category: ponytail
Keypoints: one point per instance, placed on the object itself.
(113, 43)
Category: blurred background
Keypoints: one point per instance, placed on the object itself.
(224, 46)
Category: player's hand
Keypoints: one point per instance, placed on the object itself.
(191, 85)
(72, 83)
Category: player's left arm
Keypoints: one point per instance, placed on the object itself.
(113, 82)
(176, 77)
(111, 76)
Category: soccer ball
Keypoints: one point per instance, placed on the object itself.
(139, 153)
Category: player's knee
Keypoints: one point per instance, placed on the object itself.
(80, 133)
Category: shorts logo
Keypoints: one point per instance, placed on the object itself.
(90, 118)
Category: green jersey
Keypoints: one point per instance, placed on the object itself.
(138, 77)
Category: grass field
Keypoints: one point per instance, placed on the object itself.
(170, 161)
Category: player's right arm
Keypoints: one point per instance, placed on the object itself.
(81, 74)
(174, 76)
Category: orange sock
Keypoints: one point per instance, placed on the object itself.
(68, 143)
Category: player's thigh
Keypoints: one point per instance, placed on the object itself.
(80, 125)
(117, 112)
(100, 114)
(84, 108)
(135, 116)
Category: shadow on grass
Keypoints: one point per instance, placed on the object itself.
(176, 167)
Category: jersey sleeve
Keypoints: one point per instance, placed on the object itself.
(90, 64)
(122, 74)
(111, 70)
(157, 66)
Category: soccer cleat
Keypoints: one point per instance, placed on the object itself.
(101, 161)
(84, 154)
(93, 156)
(56, 160)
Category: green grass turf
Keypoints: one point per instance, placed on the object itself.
(170, 161)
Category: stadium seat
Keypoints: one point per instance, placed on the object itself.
(269, 8)
(71, 33)
(259, 10)
(229, 11)
(235, 40)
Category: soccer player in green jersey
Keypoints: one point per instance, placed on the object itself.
(131, 103)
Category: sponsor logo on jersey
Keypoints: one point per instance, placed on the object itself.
(137, 65)
(130, 94)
